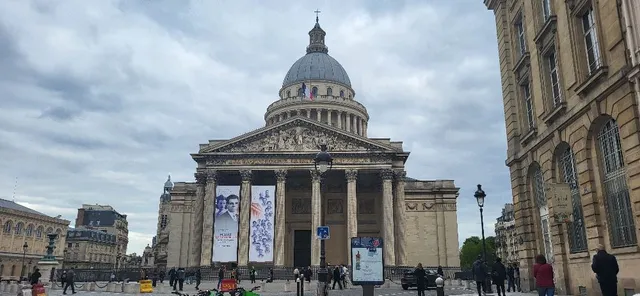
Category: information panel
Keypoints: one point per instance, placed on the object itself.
(367, 261)
(225, 225)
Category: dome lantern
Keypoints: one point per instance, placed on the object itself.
(316, 38)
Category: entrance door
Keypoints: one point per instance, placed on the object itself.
(301, 248)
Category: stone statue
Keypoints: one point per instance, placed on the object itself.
(51, 247)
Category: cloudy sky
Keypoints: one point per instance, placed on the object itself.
(100, 100)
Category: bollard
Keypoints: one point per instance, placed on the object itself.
(301, 286)
(439, 286)
(298, 287)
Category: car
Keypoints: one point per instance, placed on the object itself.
(409, 280)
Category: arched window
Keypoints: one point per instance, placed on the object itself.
(39, 231)
(18, 228)
(314, 90)
(622, 230)
(29, 230)
(329, 91)
(577, 234)
(7, 226)
(342, 93)
(288, 94)
(300, 92)
(540, 199)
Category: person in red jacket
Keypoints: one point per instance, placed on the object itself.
(543, 273)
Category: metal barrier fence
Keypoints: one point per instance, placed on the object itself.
(210, 273)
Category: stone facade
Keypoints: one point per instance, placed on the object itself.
(366, 192)
(571, 117)
(507, 240)
(105, 218)
(90, 248)
(22, 225)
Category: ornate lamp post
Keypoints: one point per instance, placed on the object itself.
(323, 162)
(24, 255)
(480, 195)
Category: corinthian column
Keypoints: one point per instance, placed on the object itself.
(281, 177)
(245, 217)
(196, 235)
(206, 246)
(387, 218)
(352, 209)
(316, 216)
(400, 219)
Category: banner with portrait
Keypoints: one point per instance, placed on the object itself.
(225, 225)
(262, 223)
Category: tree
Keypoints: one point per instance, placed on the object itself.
(472, 247)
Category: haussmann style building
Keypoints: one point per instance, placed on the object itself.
(366, 193)
(571, 113)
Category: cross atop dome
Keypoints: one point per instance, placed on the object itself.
(316, 37)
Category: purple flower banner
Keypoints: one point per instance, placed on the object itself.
(262, 223)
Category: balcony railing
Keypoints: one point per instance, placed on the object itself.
(320, 99)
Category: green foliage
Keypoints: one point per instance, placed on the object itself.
(472, 247)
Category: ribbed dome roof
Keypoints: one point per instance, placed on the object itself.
(316, 66)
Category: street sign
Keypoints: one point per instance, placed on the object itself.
(322, 233)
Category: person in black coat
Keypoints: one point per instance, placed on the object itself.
(499, 275)
(421, 279)
(479, 271)
(511, 278)
(336, 278)
(606, 268)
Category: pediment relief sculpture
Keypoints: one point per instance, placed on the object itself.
(297, 138)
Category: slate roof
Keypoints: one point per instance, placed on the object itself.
(14, 206)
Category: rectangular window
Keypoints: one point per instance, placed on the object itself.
(554, 78)
(522, 41)
(546, 10)
(591, 40)
(526, 94)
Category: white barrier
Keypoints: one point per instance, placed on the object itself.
(132, 288)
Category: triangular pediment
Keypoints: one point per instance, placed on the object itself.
(297, 134)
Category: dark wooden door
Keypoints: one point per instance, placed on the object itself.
(301, 248)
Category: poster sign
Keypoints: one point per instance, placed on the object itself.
(262, 223)
(367, 261)
(559, 195)
(225, 225)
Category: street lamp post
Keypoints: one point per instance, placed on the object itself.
(24, 255)
(480, 195)
(323, 162)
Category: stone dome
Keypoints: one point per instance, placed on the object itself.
(316, 66)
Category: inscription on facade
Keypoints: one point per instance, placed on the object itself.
(268, 161)
(300, 206)
(297, 138)
(366, 206)
(428, 206)
(181, 208)
(335, 206)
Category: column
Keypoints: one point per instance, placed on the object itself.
(245, 216)
(198, 215)
(352, 209)
(354, 127)
(339, 120)
(347, 121)
(365, 129)
(387, 218)
(319, 115)
(400, 219)
(280, 227)
(207, 218)
(309, 113)
(316, 217)
(329, 116)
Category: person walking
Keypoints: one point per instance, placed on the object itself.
(35, 277)
(336, 278)
(296, 273)
(307, 274)
(479, 271)
(220, 276)
(70, 281)
(252, 274)
(181, 276)
(198, 276)
(499, 275)
(172, 277)
(606, 268)
(543, 273)
(440, 271)
(510, 278)
(421, 279)
(516, 278)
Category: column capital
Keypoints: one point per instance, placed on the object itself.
(351, 175)
(400, 175)
(201, 178)
(212, 175)
(281, 175)
(386, 174)
(315, 176)
(246, 175)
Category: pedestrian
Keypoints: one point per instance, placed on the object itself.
(198, 278)
(336, 278)
(70, 281)
(112, 277)
(270, 279)
(510, 278)
(220, 276)
(307, 274)
(516, 277)
(63, 278)
(543, 273)
(181, 276)
(35, 277)
(606, 268)
(421, 279)
(161, 275)
(172, 277)
(439, 271)
(296, 274)
(479, 271)
(499, 274)
(252, 274)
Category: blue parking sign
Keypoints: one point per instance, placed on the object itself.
(322, 233)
